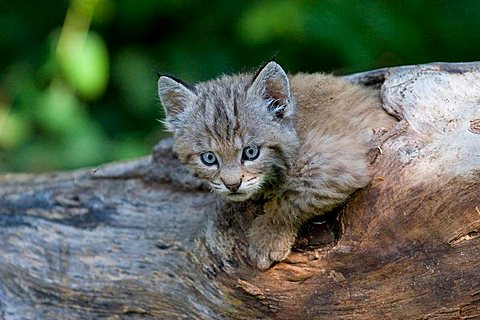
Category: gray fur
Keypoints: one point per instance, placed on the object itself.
(312, 131)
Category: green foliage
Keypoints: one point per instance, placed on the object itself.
(84, 64)
(77, 80)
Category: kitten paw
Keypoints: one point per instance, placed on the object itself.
(268, 245)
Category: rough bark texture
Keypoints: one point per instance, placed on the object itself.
(143, 239)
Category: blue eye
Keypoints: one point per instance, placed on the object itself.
(250, 153)
(208, 158)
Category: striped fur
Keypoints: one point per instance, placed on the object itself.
(313, 133)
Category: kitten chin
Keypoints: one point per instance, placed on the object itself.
(236, 197)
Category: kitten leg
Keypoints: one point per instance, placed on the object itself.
(317, 185)
(272, 235)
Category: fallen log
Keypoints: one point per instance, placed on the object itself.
(144, 239)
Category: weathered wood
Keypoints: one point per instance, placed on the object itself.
(143, 239)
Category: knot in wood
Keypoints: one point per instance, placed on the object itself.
(474, 126)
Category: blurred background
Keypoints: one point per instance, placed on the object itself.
(78, 83)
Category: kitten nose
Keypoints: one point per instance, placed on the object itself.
(234, 186)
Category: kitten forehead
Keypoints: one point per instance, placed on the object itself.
(220, 103)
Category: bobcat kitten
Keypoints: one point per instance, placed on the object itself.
(300, 141)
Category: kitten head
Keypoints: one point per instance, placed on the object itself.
(236, 132)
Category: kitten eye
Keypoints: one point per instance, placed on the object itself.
(208, 158)
(250, 153)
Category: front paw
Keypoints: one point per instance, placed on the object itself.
(268, 245)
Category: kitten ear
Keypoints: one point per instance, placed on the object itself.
(271, 84)
(175, 96)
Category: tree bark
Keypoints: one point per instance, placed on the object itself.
(145, 240)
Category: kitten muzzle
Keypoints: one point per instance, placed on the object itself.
(233, 187)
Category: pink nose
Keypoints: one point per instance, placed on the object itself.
(234, 186)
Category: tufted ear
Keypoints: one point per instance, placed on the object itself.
(175, 96)
(271, 84)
